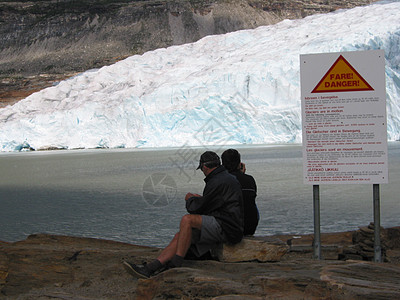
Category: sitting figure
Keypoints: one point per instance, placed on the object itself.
(214, 218)
(231, 161)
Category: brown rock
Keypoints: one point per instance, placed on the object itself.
(363, 240)
(368, 231)
(48, 266)
(362, 279)
(307, 279)
(393, 256)
(71, 265)
(238, 297)
(365, 247)
(253, 249)
(369, 243)
(392, 238)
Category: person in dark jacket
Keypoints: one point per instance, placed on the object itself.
(232, 162)
(214, 218)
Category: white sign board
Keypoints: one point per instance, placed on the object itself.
(344, 117)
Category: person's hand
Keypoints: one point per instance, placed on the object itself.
(190, 195)
(242, 168)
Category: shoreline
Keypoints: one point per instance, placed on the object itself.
(148, 149)
(172, 148)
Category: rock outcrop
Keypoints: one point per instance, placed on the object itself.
(70, 36)
(47, 267)
(42, 42)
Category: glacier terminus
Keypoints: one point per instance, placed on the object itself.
(238, 88)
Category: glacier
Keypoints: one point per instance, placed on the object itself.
(238, 88)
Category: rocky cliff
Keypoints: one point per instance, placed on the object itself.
(61, 267)
(46, 41)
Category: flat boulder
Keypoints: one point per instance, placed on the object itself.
(261, 249)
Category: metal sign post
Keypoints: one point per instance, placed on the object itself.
(377, 224)
(317, 232)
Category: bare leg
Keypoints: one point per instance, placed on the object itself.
(168, 253)
(188, 222)
(182, 240)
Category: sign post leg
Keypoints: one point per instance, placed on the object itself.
(377, 224)
(317, 232)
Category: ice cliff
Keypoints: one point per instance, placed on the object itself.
(236, 88)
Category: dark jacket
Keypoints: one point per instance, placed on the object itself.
(222, 198)
(249, 190)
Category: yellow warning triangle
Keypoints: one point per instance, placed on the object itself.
(342, 77)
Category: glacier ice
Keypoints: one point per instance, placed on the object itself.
(237, 88)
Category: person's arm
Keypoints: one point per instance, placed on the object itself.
(197, 204)
(190, 195)
(194, 203)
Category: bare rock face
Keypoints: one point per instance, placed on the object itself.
(60, 265)
(72, 36)
(69, 36)
(297, 280)
(42, 42)
(47, 267)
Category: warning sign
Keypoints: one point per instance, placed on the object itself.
(344, 128)
(342, 77)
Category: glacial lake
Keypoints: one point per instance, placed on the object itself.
(137, 195)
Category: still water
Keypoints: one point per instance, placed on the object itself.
(137, 196)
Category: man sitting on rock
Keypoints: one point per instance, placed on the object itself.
(213, 219)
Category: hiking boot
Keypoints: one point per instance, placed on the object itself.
(139, 271)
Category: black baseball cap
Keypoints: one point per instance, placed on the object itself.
(209, 157)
